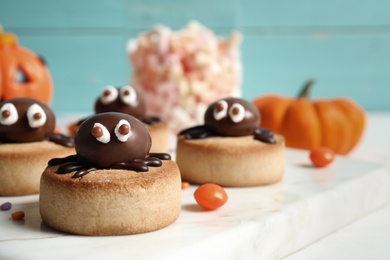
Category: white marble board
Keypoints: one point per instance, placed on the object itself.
(261, 222)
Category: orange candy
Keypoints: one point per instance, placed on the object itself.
(210, 196)
(17, 215)
(321, 156)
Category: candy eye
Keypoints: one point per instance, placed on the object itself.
(237, 112)
(9, 114)
(101, 133)
(220, 110)
(123, 130)
(109, 94)
(128, 96)
(36, 116)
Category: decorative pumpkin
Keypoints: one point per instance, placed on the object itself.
(334, 123)
(22, 73)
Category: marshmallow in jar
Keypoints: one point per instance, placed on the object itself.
(180, 73)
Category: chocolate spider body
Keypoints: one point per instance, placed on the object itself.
(29, 120)
(110, 141)
(230, 117)
(125, 100)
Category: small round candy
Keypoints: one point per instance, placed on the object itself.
(210, 196)
(321, 156)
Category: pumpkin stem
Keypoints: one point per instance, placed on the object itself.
(304, 93)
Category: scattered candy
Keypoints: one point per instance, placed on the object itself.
(321, 156)
(17, 215)
(6, 206)
(185, 185)
(210, 196)
(181, 72)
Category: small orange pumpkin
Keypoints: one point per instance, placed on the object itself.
(22, 73)
(334, 123)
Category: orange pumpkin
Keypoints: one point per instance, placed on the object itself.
(334, 123)
(22, 73)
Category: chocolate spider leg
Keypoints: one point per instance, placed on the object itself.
(197, 132)
(69, 167)
(153, 161)
(62, 140)
(150, 120)
(83, 172)
(161, 156)
(191, 129)
(137, 165)
(264, 135)
(57, 161)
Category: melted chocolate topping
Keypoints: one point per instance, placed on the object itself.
(58, 161)
(71, 163)
(202, 131)
(27, 126)
(198, 132)
(136, 109)
(150, 120)
(20, 131)
(264, 135)
(109, 149)
(91, 151)
(230, 117)
(141, 165)
(118, 105)
(225, 126)
(62, 140)
(161, 156)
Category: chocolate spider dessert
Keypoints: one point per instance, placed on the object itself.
(129, 101)
(27, 142)
(112, 185)
(230, 149)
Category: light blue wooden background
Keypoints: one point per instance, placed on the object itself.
(343, 44)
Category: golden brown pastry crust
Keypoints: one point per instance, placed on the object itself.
(231, 161)
(111, 202)
(21, 165)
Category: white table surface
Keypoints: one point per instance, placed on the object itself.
(368, 237)
(307, 215)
